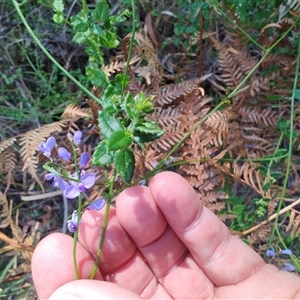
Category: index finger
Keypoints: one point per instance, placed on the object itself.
(225, 259)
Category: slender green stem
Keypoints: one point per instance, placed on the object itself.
(130, 47)
(103, 229)
(84, 8)
(217, 6)
(237, 89)
(79, 208)
(61, 68)
(291, 128)
(292, 257)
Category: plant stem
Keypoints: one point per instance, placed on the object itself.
(130, 48)
(291, 129)
(60, 67)
(103, 229)
(79, 208)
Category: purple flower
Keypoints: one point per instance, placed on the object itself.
(73, 190)
(286, 252)
(288, 267)
(97, 204)
(84, 159)
(271, 252)
(64, 154)
(57, 181)
(72, 224)
(76, 138)
(143, 182)
(46, 147)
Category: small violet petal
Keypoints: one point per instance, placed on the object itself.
(77, 137)
(88, 180)
(271, 252)
(46, 147)
(71, 192)
(72, 226)
(97, 204)
(288, 267)
(84, 159)
(60, 183)
(49, 176)
(64, 154)
(286, 252)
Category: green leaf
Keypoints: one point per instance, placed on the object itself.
(129, 106)
(266, 186)
(282, 124)
(96, 76)
(58, 5)
(119, 140)
(108, 124)
(277, 174)
(79, 23)
(263, 170)
(101, 155)
(239, 209)
(149, 127)
(101, 12)
(124, 162)
(108, 40)
(141, 138)
(297, 94)
(58, 18)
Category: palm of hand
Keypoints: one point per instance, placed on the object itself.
(160, 243)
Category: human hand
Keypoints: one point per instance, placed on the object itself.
(161, 243)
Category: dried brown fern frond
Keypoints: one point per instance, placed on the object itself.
(8, 159)
(118, 66)
(256, 115)
(218, 122)
(73, 111)
(167, 95)
(7, 143)
(249, 175)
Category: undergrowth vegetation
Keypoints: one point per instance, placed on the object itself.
(212, 84)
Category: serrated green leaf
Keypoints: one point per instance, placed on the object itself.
(263, 170)
(108, 124)
(58, 18)
(149, 127)
(80, 38)
(282, 124)
(141, 137)
(101, 12)
(266, 186)
(277, 174)
(58, 5)
(119, 140)
(96, 76)
(101, 155)
(79, 23)
(124, 163)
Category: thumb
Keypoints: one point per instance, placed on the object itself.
(92, 289)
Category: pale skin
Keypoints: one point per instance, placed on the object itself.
(161, 243)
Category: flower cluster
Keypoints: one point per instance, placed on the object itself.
(271, 253)
(72, 184)
(76, 183)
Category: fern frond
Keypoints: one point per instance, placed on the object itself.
(267, 117)
(174, 92)
(8, 161)
(73, 111)
(7, 143)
